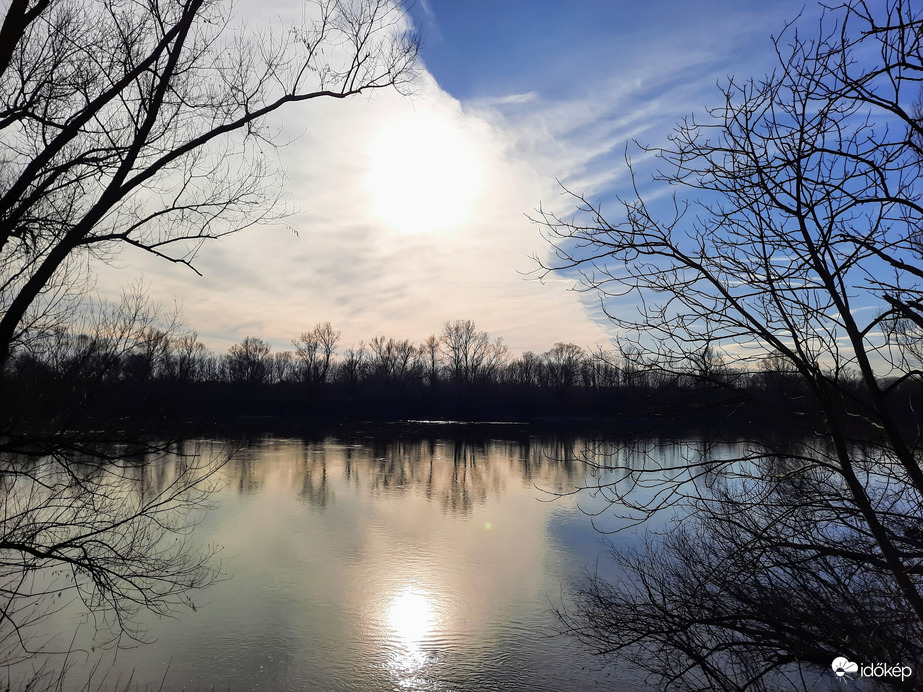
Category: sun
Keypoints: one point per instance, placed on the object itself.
(424, 174)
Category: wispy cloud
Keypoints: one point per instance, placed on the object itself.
(361, 272)
(513, 99)
(466, 259)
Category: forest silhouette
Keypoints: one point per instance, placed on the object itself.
(133, 363)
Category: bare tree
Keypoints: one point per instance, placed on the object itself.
(281, 367)
(103, 345)
(472, 357)
(248, 362)
(314, 351)
(145, 125)
(382, 360)
(526, 370)
(562, 366)
(793, 235)
(352, 366)
(93, 511)
(110, 533)
(407, 367)
(430, 357)
(188, 356)
(759, 583)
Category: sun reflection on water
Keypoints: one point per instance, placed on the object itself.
(411, 619)
(411, 615)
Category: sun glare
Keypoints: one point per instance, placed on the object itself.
(424, 175)
(411, 616)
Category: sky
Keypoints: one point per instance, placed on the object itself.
(408, 211)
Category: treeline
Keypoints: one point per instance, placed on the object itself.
(129, 361)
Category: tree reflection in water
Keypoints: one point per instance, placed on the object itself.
(458, 473)
(100, 530)
(767, 573)
(369, 562)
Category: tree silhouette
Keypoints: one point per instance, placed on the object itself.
(248, 362)
(144, 125)
(793, 236)
(472, 357)
(314, 352)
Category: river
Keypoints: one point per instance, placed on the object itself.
(382, 562)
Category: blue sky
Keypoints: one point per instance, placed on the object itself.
(412, 210)
(483, 48)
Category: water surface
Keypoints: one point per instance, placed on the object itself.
(367, 563)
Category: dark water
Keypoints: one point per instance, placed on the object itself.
(370, 564)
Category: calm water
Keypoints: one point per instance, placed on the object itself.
(372, 564)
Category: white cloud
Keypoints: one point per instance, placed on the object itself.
(357, 268)
(514, 99)
(351, 263)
